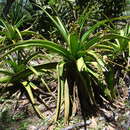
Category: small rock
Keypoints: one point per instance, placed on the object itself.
(31, 127)
(101, 118)
(44, 128)
(88, 122)
(116, 117)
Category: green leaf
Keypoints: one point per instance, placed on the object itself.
(8, 29)
(58, 24)
(60, 69)
(23, 74)
(37, 74)
(30, 94)
(98, 59)
(19, 33)
(98, 24)
(5, 72)
(89, 43)
(38, 43)
(5, 79)
(107, 93)
(81, 66)
(67, 102)
(27, 33)
(74, 44)
(91, 30)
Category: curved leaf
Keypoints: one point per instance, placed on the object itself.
(97, 25)
(38, 43)
(74, 44)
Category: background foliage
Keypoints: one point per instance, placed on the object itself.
(76, 44)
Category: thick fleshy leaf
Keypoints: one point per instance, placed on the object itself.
(60, 69)
(9, 30)
(86, 86)
(98, 59)
(6, 72)
(37, 74)
(98, 24)
(5, 79)
(30, 94)
(22, 75)
(74, 44)
(27, 33)
(99, 41)
(38, 43)
(67, 102)
(81, 66)
(58, 24)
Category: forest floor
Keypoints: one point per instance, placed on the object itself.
(114, 116)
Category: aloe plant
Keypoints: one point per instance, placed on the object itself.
(81, 67)
(119, 58)
(16, 68)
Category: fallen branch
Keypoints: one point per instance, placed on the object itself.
(81, 124)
